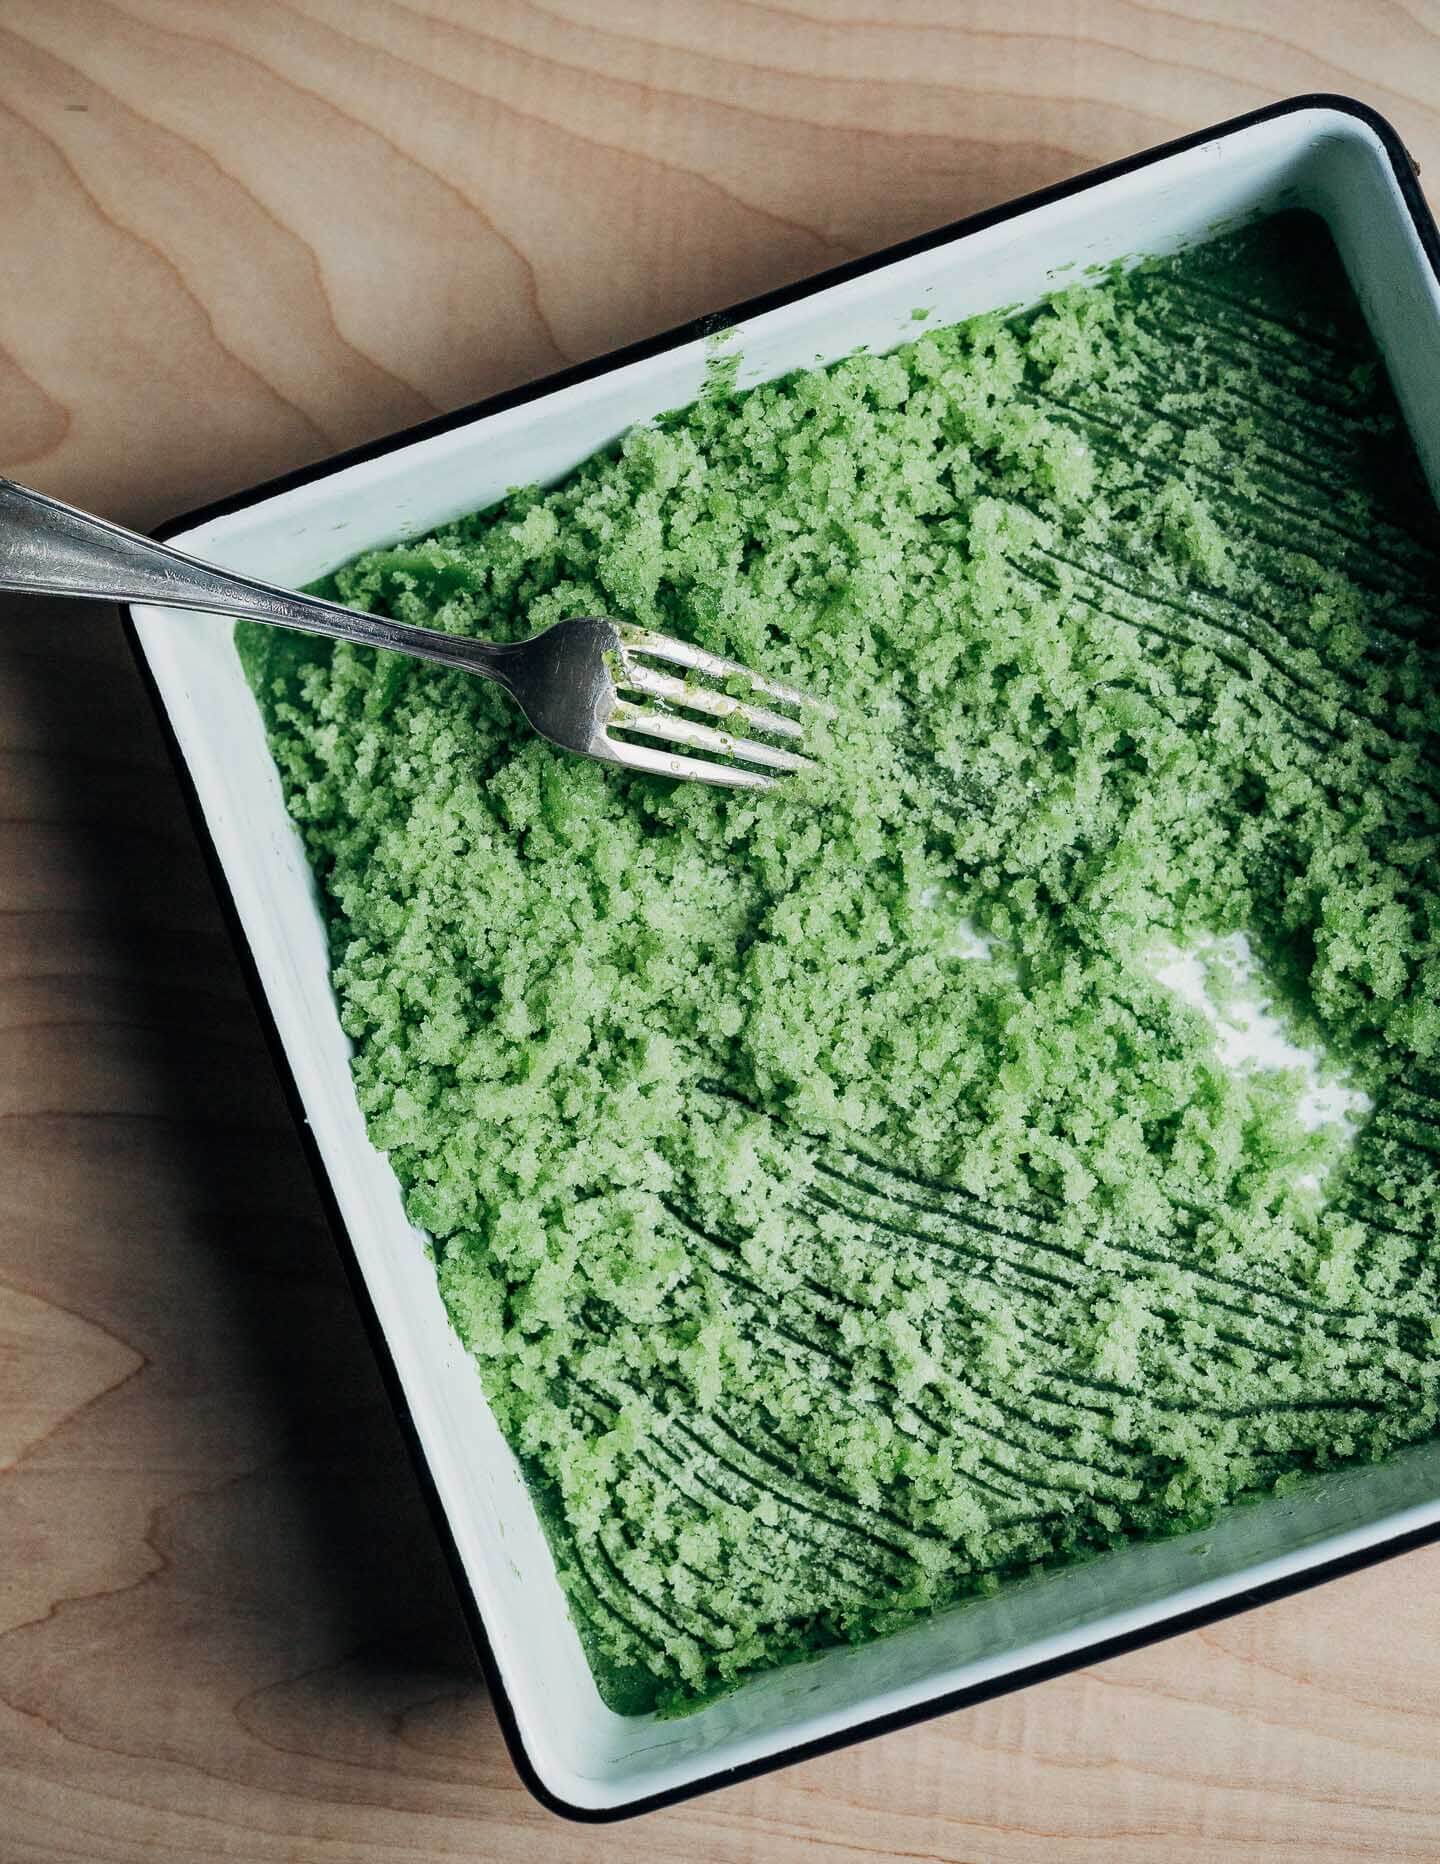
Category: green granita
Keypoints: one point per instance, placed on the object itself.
(842, 1211)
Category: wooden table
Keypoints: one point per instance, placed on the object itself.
(234, 236)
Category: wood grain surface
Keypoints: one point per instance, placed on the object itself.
(235, 235)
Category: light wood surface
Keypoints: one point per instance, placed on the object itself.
(235, 235)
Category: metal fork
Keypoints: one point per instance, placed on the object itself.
(572, 681)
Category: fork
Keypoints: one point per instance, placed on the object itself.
(573, 681)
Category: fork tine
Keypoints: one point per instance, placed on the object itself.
(699, 737)
(683, 654)
(704, 699)
(697, 770)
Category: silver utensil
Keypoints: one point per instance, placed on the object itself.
(574, 681)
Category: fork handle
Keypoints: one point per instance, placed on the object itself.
(50, 548)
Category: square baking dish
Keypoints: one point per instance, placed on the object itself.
(581, 1759)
